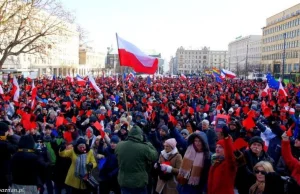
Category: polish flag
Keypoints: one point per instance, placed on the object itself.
(265, 91)
(33, 95)
(182, 76)
(228, 74)
(94, 85)
(80, 81)
(70, 79)
(281, 90)
(16, 89)
(1, 90)
(132, 56)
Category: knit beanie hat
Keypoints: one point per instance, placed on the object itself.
(185, 131)
(221, 143)
(3, 128)
(171, 142)
(256, 139)
(165, 128)
(26, 142)
(115, 139)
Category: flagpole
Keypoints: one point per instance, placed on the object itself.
(122, 75)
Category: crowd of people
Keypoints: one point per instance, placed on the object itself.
(164, 135)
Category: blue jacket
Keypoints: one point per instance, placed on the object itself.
(110, 168)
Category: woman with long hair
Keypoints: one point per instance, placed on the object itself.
(267, 180)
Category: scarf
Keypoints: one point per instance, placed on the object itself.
(192, 165)
(166, 155)
(80, 169)
(257, 188)
(216, 159)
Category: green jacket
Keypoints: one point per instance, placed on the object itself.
(134, 157)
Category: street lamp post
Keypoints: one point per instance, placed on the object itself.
(283, 55)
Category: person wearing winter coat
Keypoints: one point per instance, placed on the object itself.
(82, 161)
(168, 167)
(292, 163)
(245, 177)
(211, 135)
(193, 173)
(7, 149)
(26, 166)
(134, 157)
(109, 173)
(223, 170)
(267, 180)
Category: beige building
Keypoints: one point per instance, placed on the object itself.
(190, 61)
(242, 51)
(90, 61)
(280, 28)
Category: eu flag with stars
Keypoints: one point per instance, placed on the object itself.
(272, 82)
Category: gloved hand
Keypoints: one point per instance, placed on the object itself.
(169, 169)
(89, 167)
(261, 127)
(225, 131)
(155, 165)
(163, 167)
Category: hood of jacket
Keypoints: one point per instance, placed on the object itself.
(135, 134)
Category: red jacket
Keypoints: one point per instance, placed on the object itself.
(222, 175)
(292, 163)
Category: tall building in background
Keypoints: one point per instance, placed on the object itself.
(192, 61)
(244, 54)
(90, 61)
(283, 27)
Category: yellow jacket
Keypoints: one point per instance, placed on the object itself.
(71, 180)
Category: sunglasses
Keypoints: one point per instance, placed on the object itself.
(261, 172)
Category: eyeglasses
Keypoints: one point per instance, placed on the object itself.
(261, 172)
(183, 134)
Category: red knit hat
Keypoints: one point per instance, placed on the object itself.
(221, 143)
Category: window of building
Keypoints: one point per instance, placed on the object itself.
(296, 67)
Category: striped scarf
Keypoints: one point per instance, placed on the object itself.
(192, 165)
(80, 168)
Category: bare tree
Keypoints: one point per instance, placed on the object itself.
(83, 34)
(31, 26)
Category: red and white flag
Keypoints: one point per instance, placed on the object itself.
(281, 89)
(182, 76)
(33, 95)
(132, 56)
(16, 89)
(70, 78)
(228, 73)
(80, 81)
(94, 85)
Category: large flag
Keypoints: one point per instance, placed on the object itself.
(16, 89)
(132, 56)
(94, 85)
(70, 78)
(33, 95)
(274, 84)
(228, 74)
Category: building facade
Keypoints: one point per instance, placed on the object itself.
(196, 61)
(244, 54)
(57, 54)
(90, 61)
(218, 59)
(283, 27)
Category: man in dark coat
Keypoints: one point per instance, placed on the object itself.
(6, 151)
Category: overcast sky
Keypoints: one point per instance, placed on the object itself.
(165, 25)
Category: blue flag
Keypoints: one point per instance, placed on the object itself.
(148, 80)
(218, 79)
(124, 75)
(272, 82)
